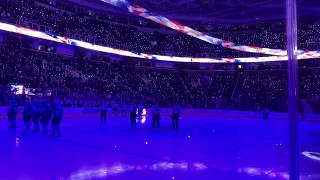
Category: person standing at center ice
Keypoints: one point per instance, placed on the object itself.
(36, 105)
(124, 109)
(27, 114)
(133, 114)
(155, 115)
(12, 112)
(140, 110)
(57, 117)
(175, 116)
(45, 114)
(115, 108)
(266, 113)
(103, 113)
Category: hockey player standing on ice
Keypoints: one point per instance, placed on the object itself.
(155, 115)
(36, 105)
(124, 109)
(57, 117)
(12, 112)
(27, 114)
(140, 109)
(133, 114)
(115, 108)
(176, 116)
(45, 114)
(103, 113)
(266, 113)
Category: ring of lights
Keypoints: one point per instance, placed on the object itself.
(69, 41)
(312, 155)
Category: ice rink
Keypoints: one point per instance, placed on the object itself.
(204, 148)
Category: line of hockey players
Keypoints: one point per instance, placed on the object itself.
(39, 110)
(136, 113)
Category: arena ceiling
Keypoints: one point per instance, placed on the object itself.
(232, 11)
(229, 10)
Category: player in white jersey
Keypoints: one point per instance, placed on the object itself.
(140, 109)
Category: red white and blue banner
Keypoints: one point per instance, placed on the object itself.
(140, 11)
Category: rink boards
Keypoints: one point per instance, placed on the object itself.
(70, 112)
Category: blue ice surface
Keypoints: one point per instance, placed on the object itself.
(203, 148)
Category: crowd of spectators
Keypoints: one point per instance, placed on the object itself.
(91, 81)
(85, 81)
(98, 31)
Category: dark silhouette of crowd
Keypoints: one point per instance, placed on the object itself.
(100, 29)
(90, 81)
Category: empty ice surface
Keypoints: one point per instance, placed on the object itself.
(237, 149)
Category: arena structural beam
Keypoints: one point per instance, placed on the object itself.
(291, 18)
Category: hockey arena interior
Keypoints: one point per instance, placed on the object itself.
(160, 89)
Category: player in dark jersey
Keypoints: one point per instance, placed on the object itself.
(57, 117)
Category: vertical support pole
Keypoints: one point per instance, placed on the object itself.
(293, 101)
